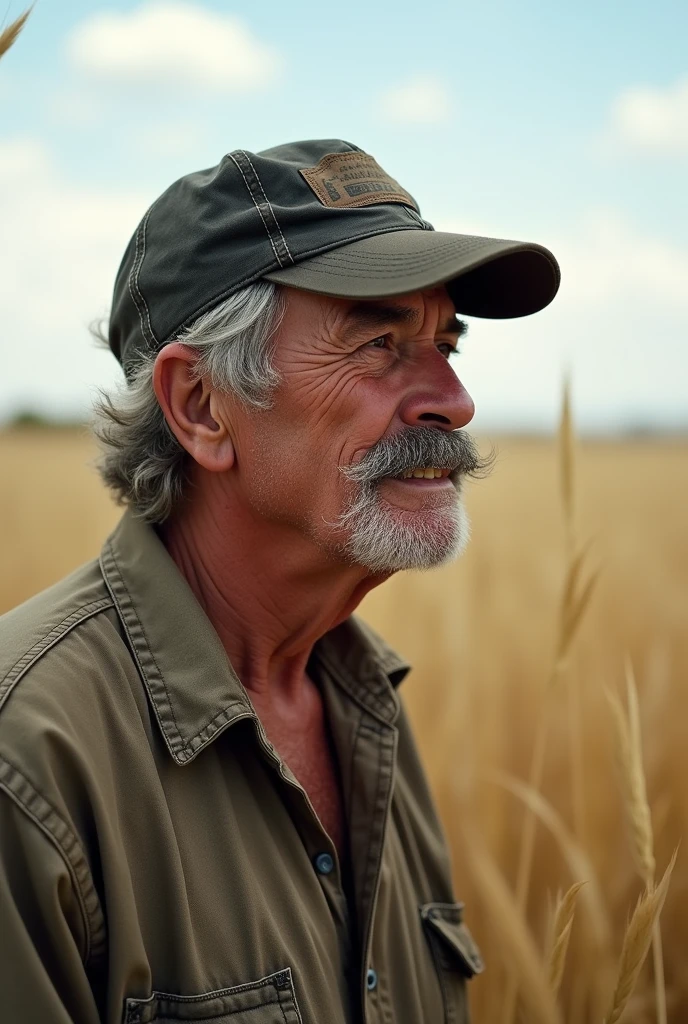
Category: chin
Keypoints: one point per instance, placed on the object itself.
(390, 540)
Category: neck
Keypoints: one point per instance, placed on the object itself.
(269, 592)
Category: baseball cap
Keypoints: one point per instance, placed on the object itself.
(319, 215)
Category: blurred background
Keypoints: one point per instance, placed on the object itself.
(561, 124)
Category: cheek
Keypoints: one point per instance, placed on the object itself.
(324, 416)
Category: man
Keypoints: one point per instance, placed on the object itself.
(212, 805)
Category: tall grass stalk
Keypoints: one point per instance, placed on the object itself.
(515, 945)
(638, 817)
(577, 860)
(567, 464)
(637, 941)
(575, 600)
(560, 933)
(9, 34)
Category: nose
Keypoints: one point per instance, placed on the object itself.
(438, 399)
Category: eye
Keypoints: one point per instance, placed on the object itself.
(449, 349)
(379, 342)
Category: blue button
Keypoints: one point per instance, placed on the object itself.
(371, 979)
(324, 863)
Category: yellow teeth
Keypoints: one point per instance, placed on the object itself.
(419, 474)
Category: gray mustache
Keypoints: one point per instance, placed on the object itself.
(421, 446)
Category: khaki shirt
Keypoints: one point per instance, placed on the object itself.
(160, 862)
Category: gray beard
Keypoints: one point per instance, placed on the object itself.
(386, 539)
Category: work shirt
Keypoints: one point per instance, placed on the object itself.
(159, 861)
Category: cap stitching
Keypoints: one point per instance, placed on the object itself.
(134, 283)
(269, 204)
(260, 212)
(138, 287)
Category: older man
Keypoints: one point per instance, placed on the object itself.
(212, 804)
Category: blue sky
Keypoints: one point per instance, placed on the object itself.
(562, 124)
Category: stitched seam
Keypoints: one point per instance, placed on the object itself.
(140, 302)
(260, 184)
(253, 200)
(269, 219)
(370, 701)
(133, 284)
(354, 746)
(178, 741)
(151, 339)
(327, 247)
(378, 837)
(207, 732)
(49, 640)
(74, 864)
(217, 993)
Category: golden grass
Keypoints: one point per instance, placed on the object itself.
(560, 934)
(637, 941)
(482, 636)
(9, 35)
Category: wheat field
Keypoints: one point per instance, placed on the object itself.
(481, 635)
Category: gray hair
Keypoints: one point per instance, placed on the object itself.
(141, 460)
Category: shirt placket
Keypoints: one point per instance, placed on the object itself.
(321, 852)
(370, 784)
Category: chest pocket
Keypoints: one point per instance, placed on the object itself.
(271, 1000)
(456, 956)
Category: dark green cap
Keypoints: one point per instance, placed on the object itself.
(320, 215)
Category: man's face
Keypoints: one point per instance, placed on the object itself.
(359, 378)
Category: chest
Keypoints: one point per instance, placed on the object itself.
(313, 761)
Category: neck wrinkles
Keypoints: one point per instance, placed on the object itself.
(268, 591)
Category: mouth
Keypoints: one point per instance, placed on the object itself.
(424, 476)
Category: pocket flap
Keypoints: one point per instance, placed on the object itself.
(256, 1002)
(444, 921)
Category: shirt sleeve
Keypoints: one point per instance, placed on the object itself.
(42, 975)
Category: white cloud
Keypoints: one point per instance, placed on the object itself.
(651, 118)
(175, 43)
(421, 100)
(62, 244)
(610, 259)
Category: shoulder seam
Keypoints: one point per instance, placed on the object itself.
(49, 640)
(56, 829)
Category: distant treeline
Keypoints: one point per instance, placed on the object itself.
(29, 419)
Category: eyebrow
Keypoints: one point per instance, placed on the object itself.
(370, 316)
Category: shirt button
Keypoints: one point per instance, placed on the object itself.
(324, 863)
(371, 979)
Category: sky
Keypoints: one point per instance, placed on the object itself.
(563, 124)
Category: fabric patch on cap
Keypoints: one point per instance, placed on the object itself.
(354, 179)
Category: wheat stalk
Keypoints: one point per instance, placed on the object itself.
(637, 942)
(567, 463)
(515, 942)
(577, 860)
(632, 776)
(9, 34)
(560, 934)
(639, 819)
(575, 600)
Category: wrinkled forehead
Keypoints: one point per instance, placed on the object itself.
(432, 307)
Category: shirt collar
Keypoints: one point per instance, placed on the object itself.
(194, 691)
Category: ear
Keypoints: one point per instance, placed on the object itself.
(193, 409)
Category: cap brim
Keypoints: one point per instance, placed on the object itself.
(486, 277)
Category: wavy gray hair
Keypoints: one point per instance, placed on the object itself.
(141, 460)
